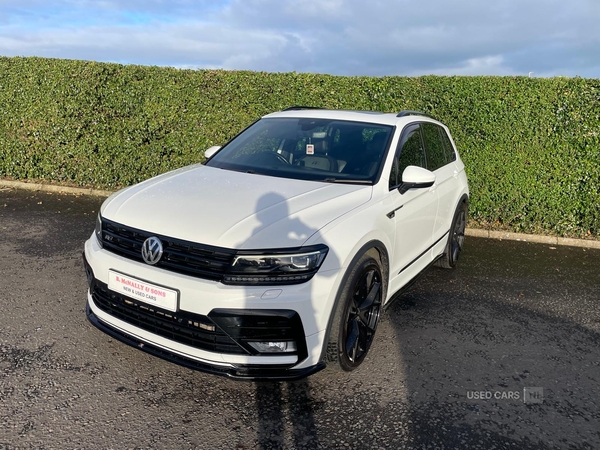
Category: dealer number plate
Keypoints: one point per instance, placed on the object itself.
(143, 291)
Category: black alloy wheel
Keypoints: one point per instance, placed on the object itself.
(456, 240)
(458, 235)
(356, 320)
(363, 316)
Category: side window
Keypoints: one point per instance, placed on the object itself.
(410, 153)
(436, 153)
(450, 154)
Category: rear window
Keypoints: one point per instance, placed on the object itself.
(449, 148)
(434, 147)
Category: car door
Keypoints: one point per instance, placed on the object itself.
(414, 212)
(446, 182)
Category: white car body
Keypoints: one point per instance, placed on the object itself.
(248, 211)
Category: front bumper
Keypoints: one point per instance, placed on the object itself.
(249, 373)
(302, 309)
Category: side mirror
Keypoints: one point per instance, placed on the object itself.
(211, 151)
(415, 177)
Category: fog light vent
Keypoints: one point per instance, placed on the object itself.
(204, 326)
(274, 347)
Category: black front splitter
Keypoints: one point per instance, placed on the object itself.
(247, 373)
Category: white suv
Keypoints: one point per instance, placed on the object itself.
(278, 253)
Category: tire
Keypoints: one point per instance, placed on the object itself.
(357, 314)
(456, 239)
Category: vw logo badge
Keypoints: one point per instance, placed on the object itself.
(152, 250)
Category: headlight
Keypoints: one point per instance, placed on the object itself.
(276, 267)
(98, 230)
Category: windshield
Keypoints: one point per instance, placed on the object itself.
(308, 149)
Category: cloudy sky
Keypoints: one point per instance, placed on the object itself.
(341, 37)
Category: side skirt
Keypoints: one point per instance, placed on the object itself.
(408, 285)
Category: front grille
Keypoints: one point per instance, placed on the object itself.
(189, 258)
(194, 330)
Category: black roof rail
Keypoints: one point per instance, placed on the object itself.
(298, 108)
(408, 112)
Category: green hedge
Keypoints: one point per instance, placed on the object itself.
(531, 146)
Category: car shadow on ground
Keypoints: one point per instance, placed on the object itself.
(271, 401)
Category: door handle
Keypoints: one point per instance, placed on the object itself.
(455, 174)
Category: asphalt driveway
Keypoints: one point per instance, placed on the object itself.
(501, 353)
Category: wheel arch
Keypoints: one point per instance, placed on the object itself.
(464, 198)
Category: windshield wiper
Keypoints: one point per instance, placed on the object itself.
(346, 180)
(239, 170)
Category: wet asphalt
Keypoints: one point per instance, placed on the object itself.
(501, 353)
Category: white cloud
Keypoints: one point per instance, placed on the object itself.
(349, 37)
(475, 66)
